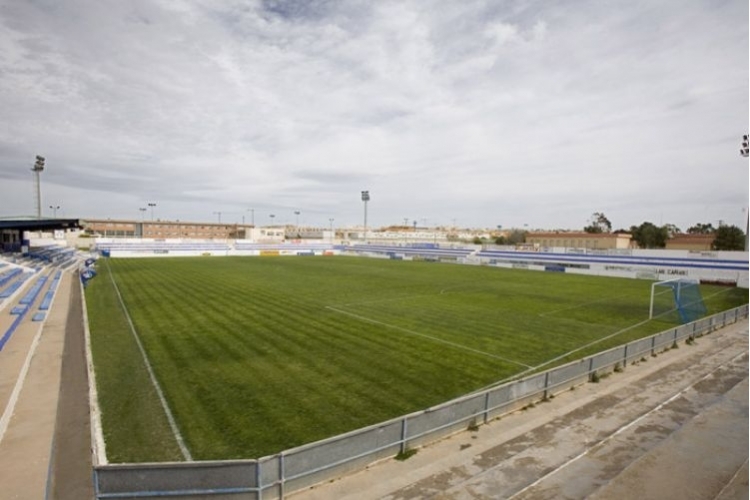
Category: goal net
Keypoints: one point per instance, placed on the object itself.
(678, 300)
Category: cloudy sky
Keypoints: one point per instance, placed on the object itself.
(475, 113)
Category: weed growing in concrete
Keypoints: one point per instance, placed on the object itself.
(406, 454)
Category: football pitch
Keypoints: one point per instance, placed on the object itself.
(255, 355)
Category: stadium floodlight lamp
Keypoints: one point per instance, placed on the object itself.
(37, 169)
(39, 164)
(365, 199)
(745, 150)
(152, 205)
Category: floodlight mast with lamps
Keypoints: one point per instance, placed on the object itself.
(745, 151)
(365, 199)
(152, 205)
(38, 168)
(54, 209)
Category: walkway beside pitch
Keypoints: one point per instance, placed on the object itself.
(31, 365)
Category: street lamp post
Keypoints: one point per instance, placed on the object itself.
(54, 209)
(296, 214)
(152, 205)
(142, 210)
(365, 199)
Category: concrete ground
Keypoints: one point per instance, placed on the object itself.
(44, 430)
(673, 426)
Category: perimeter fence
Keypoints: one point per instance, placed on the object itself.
(274, 476)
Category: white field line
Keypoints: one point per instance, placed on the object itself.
(581, 305)
(172, 423)
(406, 297)
(618, 332)
(99, 450)
(435, 339)
(625, 427)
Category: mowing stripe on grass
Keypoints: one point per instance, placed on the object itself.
(578, 306)
(602, 339)
(172, 423)
(436, 339)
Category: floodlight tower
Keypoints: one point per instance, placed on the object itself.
(152, 205)
(365, 199)
(37, 169)
(745, 151)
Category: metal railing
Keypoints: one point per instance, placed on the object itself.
(299, 468)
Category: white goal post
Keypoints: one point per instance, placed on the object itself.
(684, 298)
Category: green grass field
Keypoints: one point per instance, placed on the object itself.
(258, 355)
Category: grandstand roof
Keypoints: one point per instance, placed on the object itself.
(34, 224)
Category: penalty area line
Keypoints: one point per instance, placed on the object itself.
(430, 337)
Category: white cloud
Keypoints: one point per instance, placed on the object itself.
(489, 113)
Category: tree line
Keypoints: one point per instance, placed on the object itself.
(649, 235)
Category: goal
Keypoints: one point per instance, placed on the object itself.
(677, 300)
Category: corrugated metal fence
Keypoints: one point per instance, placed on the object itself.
(295, 469)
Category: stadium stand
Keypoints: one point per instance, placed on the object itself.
(546, 258)
(425, 251)
(23, 307)
(7, 276)
(299, 248)
(51, 254)
(160, 247)
(47, 300)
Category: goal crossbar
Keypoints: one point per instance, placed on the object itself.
(686, 297)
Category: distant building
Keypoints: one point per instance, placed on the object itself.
(695, 242)
(159, 229)
(563, 239)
